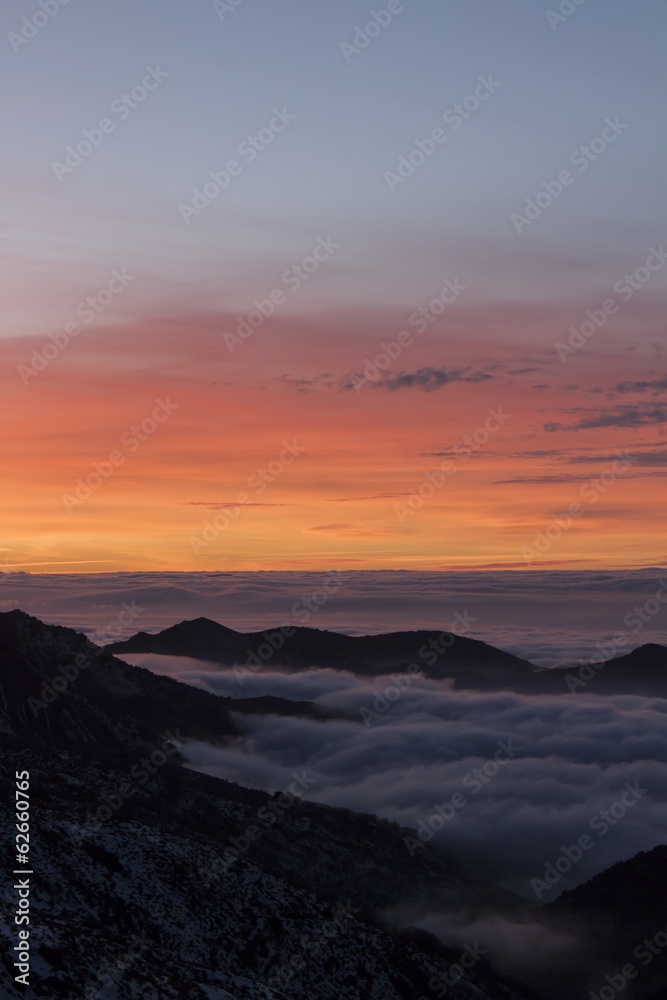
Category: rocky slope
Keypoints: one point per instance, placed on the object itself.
(154, 881)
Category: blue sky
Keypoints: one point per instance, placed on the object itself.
(325, 172)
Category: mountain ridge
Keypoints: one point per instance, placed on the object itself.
(183, 885)
(470, 663)
(437, 653)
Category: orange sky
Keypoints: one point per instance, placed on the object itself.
(122, 298)
(344, 498)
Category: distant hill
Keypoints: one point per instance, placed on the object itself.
(642, 672)
(437, 654)
(470, 663)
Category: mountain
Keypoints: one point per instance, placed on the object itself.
(66, 685)
(471, 664)
(437, 654)
(621, 915)
(642, 672)
(151, 880)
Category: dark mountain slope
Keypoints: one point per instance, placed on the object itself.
(642, 672)
(173, 884)
(630, 898)
(56, 687)
(438, 654)
(622, 917)
(136, 911)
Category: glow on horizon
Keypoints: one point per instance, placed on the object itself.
(115, 304)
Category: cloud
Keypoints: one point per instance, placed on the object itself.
(378, 496)
(639, 458)
(565, 478)
(354, 530)
(306, 385)
(225, 504)
(549, 616)
(538, 480)
(572, 757)
(426, 379)
(516, 946)
(645, 385)
(648, 459)
(624, 416)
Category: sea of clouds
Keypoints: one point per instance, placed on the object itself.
(568, 758)
(428, 756)
(548, 617)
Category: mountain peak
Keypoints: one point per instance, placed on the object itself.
(436, 654)
(650, 649)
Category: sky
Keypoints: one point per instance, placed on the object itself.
(417, 322)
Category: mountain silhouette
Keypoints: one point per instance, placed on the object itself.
(621, 917)
(436, 654)
(156, 880)
(642, 672)
(56, 683)
(470, 663)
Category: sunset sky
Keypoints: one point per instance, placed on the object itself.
(124, 300)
